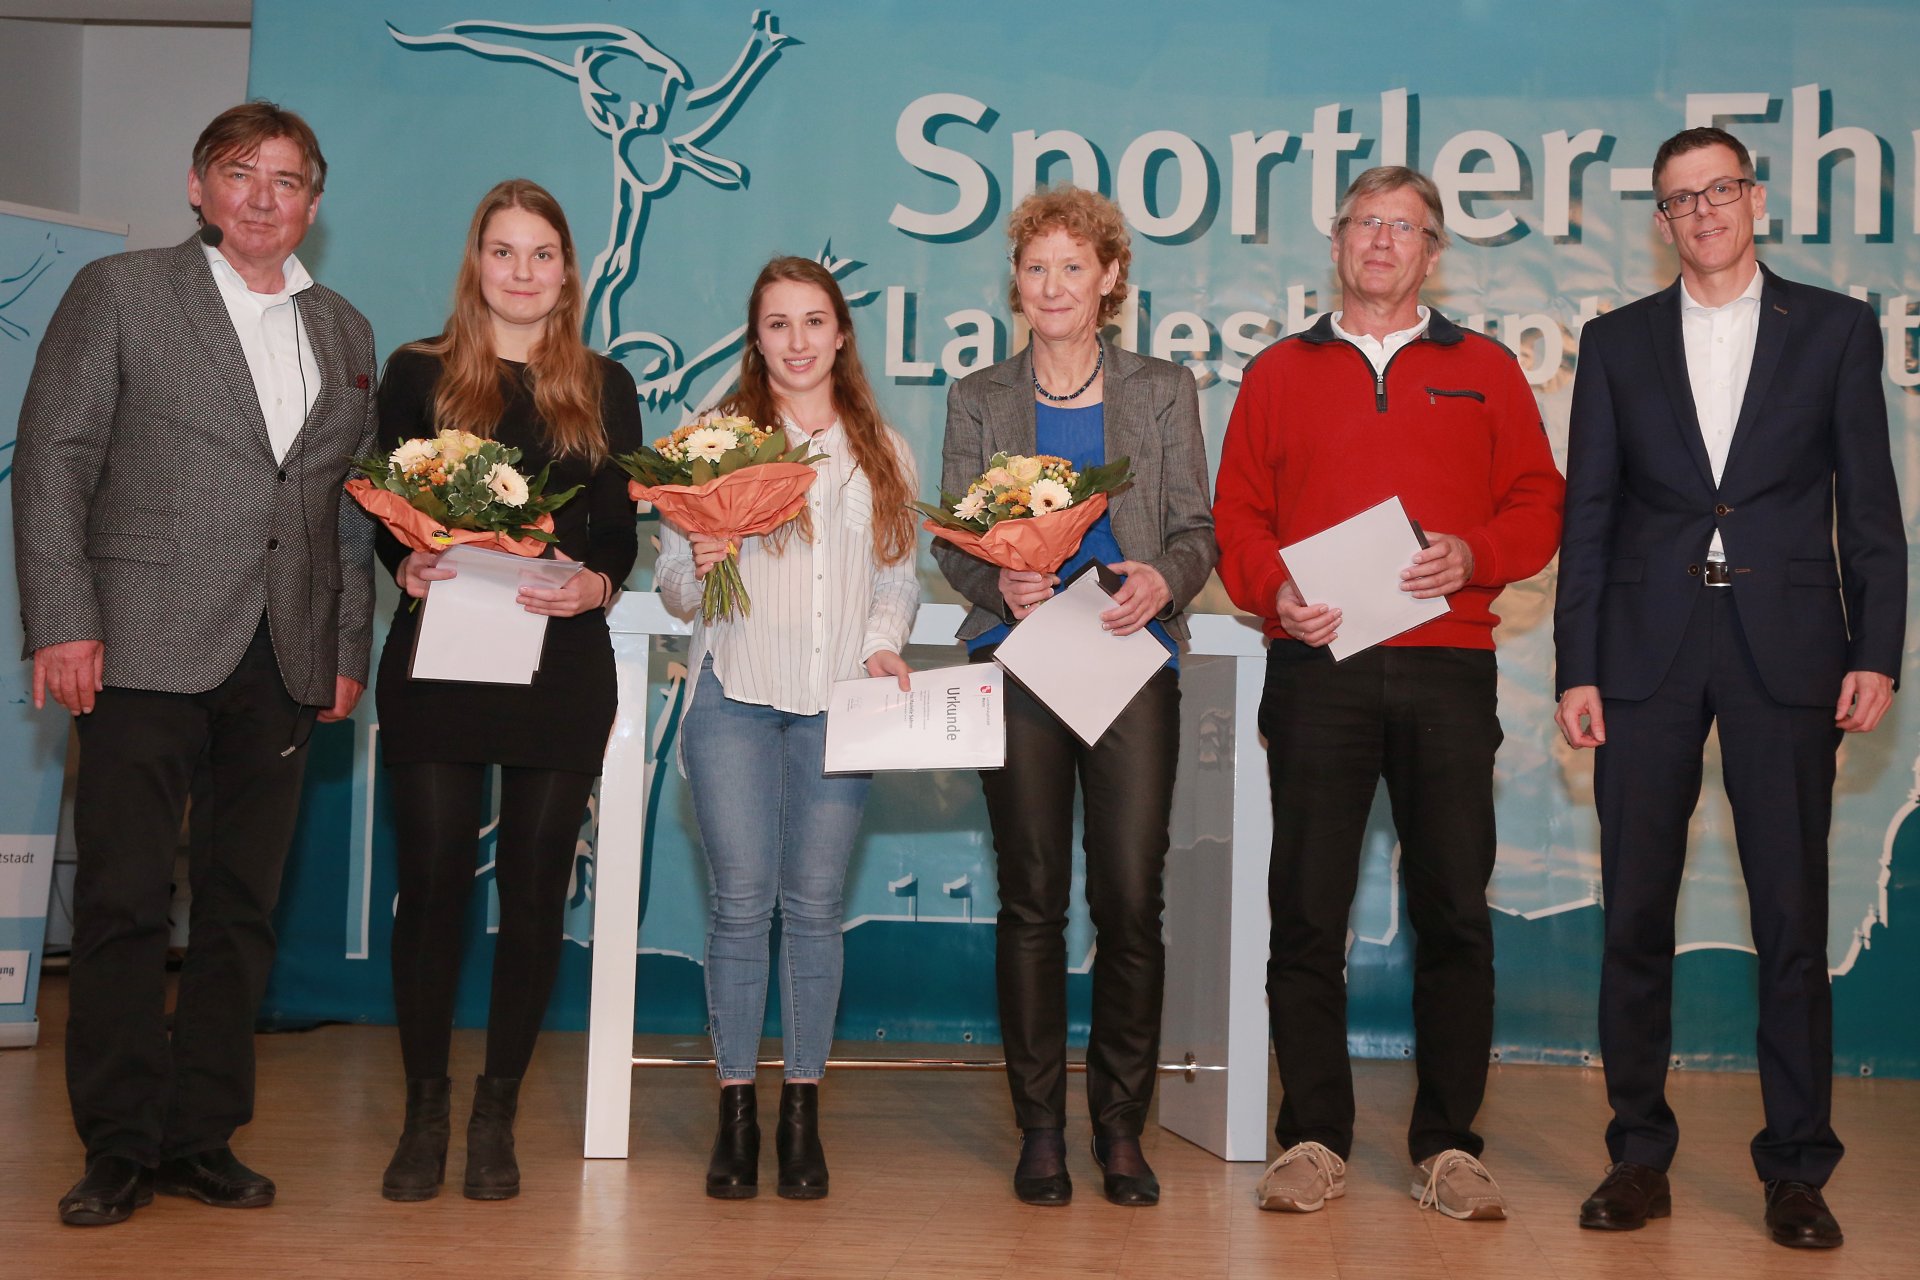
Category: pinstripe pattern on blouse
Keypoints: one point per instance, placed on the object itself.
(820, 609)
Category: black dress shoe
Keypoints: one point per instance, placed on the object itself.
(112, 1188)
(1798, 1217)
(1041, 1176)
(1123, 1170)
(214, 1177)
(733, 1170)
(1630, 1194)
(796, 1143)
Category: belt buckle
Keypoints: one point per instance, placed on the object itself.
(1718, 574)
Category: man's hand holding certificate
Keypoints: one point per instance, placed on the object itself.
(949, 719)
(1357, 568)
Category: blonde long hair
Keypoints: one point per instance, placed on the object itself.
(853, 400)
(566, 377)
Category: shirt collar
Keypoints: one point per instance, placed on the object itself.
(1407, 334)
(1749, 294)
(293, 273)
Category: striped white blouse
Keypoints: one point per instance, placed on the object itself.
(820, 609)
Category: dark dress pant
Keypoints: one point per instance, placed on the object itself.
(1425, 720)
(1126, 781)
(1778, 764)
(137, 1091)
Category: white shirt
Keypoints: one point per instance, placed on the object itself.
(274, 341)
(820, 608)
(1378, 350)
(1719, 342)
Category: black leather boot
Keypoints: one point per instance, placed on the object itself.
(492, 1172)
(733, 1171)
(796, 1141)
(419, 1163)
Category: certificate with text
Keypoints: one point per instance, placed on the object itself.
(950, 719)
(472, 625)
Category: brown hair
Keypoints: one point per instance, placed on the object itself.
(243, 130)
(1085, 215)
(853, 401)
(1699, 140)
(566, 376)
(1381, 179)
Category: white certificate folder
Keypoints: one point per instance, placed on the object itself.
(950, 719)
(473, 627)
(1355, 567)
(1065, 657)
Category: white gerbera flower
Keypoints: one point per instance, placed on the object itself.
(508, 485)
(710, 443)
(971, 507)
(1049, 495)
(412, 454)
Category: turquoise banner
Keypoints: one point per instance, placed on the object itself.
(40, 251)
(689, 142)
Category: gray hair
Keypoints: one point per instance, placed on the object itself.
(1394, 177)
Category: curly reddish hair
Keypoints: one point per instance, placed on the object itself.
(1088, 217)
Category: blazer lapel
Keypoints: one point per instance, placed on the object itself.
(1670, 353)
(316, 319)
(1010, 414)
(1126, 408)
(1769, 341)
(206, 312)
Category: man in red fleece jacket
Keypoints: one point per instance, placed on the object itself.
(1384, 398)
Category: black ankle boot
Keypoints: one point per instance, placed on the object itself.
(492, 1172)
(803, 1165)
(1041, 1176)
(1128, 1179)
(733, 1171)
(419, 1163)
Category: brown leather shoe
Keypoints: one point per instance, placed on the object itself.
(1798, 1217)
(1630, 1194)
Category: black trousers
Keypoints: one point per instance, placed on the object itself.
(1425, 720)
(1778, 764)
(136, 1091)
(438, 824)
(1127, 784)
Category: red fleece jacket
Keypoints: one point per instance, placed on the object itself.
(1451, 428)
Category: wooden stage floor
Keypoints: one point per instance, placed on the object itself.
(920, 1165)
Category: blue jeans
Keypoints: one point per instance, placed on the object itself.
(776, 831)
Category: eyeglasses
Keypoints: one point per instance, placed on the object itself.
(1682, 203)
(1400, 228)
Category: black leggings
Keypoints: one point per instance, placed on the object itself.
(437, 813)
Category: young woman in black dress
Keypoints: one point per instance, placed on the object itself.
(509, 365)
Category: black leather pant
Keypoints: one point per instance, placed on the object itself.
(1127, 782)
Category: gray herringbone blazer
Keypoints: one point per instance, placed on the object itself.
(1152, 416)
(148, 510)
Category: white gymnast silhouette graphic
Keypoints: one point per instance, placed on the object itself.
(647, 159)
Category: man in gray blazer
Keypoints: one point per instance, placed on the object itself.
(196, 593)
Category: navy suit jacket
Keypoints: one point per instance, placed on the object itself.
(1806, 506)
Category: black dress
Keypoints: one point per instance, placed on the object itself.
(562, 719)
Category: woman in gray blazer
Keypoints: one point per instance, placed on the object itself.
(1072, 394)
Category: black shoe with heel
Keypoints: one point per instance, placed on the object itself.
(492, 1171)
(419, 1163)
(1041, 1176)
(733, 1170)
(803, 1164)
(1127, 1178)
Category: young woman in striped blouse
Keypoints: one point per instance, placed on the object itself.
(834, 593)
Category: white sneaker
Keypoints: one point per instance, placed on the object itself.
(1459, 1186)
(1303, 1179)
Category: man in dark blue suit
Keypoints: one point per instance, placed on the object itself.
(1733, 551)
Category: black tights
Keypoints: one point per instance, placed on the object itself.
(437, 813)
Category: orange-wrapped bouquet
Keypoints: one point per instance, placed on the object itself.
(724, 478)
(438, 491)
(1027, 512)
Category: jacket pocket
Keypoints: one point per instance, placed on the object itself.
(1626, 569)
(1460, 393)
(1812, 573)
(142, 534)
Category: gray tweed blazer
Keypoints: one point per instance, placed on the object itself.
(148, 510)
(1152, 416)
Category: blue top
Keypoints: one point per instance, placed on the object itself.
(1079, 436)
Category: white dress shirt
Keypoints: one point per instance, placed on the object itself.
(820, 608)
(275, 344)
(1719, 342)
(1379, 350)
